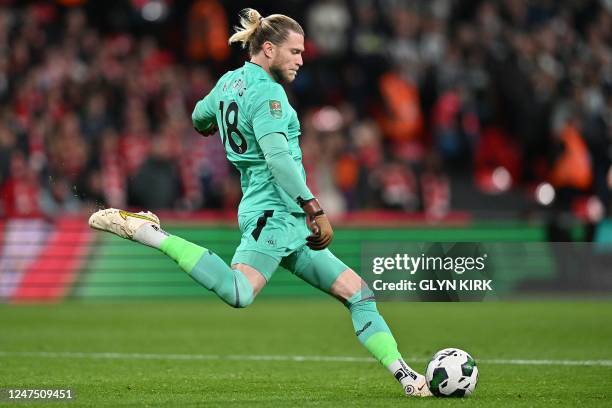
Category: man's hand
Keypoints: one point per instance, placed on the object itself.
(210, 130)
(318, 223)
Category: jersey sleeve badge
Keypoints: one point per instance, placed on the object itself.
(276, 110)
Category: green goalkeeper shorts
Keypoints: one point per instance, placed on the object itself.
(279, 238)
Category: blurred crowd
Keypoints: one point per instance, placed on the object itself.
(398, 101)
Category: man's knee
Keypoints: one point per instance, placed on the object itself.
(243, 301)
(243, 293)
(350, 288)
(253, 276)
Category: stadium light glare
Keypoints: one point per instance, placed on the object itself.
(502, 179)
(327, 119)
(154, 10)
(595, 209)
(545, 193)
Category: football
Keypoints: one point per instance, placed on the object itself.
(452, 373)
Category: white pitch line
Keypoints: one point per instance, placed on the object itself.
(340, 359)
(605, 363)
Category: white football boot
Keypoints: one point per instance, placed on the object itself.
(121, 222)
(418, 388)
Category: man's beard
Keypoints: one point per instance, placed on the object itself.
(277, 74)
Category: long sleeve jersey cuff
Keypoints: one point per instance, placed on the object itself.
(198, 118)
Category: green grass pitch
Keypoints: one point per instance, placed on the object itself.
(188, 353)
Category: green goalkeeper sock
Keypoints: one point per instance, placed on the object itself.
(370, 327)
(209, 270)
(373, 332)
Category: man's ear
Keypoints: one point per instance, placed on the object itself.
(268, 49)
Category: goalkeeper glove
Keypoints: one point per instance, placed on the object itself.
(318, 223)
(210, 130)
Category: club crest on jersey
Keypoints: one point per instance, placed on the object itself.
(276, 110)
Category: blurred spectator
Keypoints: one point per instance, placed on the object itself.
(58, 198)
(19, 195)
(402, 120)
(398, 187)
(435, 189)
(95, 119)
(572, 167)
(327, 24)
(7, 145)
(156, 184)
(207, 31)
(455, 126)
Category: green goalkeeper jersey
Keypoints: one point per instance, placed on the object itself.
(247, 104)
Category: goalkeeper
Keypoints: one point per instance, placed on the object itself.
(281, 222)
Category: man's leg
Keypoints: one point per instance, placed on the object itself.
(237, 286)
(327, 273)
